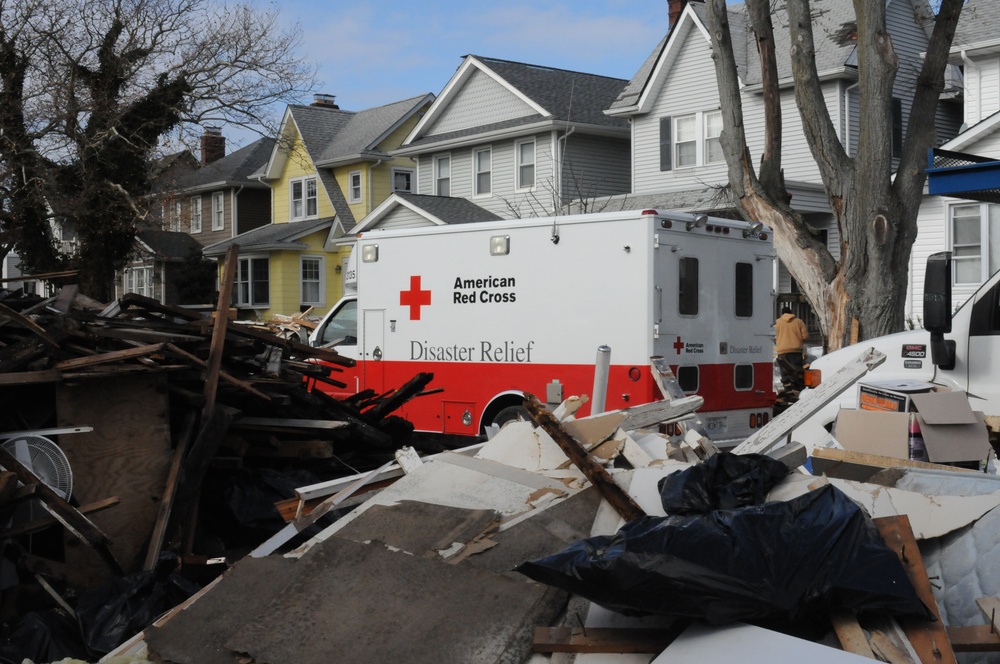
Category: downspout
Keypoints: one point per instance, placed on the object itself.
(847, 117)
(163, 282)
(969, 67)
(233, 213)
(561, 159)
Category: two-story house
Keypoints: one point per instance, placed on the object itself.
(520, 140)
(328, 167)
(965, 217)
(676, 159)
(194, 208)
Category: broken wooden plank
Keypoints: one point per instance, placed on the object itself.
(929, 639)
(657, 412)
(48, 521)
(974, 638)
(604, 639)
(30, 377)
(26, 322)
(170, 490)
(113, 356)
(398, 397)
(622, 503)
(989, 606)
(243, 385)
(44, 275)
(849, 633)
(210, 435)
(214, 364)
(284, 423)
(65, 513)
(861, 466)
(778, 430)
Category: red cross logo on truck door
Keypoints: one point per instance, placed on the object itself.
(678, 345)
(414, 298)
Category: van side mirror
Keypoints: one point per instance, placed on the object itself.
(937, 308)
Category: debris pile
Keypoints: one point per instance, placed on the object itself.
(141, 438)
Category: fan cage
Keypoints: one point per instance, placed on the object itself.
(45, 459)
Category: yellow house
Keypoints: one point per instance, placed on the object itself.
(329, 168)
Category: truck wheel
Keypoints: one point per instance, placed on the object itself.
(510, 414)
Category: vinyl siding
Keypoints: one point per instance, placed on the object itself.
(207, 236)
(932, 237)
(982, 89)
(253, 210)
(285, 293)
(595, 166)
(402, 217)
(481, 97)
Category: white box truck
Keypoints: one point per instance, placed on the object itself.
(499, 309)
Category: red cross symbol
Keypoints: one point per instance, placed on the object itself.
(678, 345)
(414, 298)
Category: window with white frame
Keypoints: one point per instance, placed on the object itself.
(442, 175)
(526, 164)
(311, 271)
(303, 197)
(402, 179)
(139, 280)
(354, 187)
(175, 225)
(482, 163)
(685, 141)
(196, 214)
(975, 241)
(251, 286)
(218, 211)
(713, 143)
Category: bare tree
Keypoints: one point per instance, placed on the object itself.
(88, 88)
(875, 211)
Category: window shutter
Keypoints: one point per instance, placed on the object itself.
(666, 145)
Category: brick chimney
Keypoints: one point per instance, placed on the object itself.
(213, 145)
(676, 7)
(325, 101)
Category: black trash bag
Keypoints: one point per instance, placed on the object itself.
(42, 636)
(121, 608)
(725, 481)
(781, 564)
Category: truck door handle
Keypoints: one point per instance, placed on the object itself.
(377, 353)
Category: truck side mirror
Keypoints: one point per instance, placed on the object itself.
(937, 308)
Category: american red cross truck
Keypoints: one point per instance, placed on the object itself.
(499, 309)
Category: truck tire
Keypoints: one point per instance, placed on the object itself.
(509, 414)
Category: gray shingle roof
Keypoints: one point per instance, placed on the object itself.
(568, 95)
(362, 133)
(170, 245)
(629, 96)
(700, 200)
(978, 23)
(270, 235)
(318, 126)
(475, 131)
(233, 169)
(450, 210)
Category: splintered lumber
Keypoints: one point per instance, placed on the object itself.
(114, 356)
(393, 401)
(214, 364)
(195, 466)
(30, 377)
(605, 639)
(170, 491)
(26, 322)
(929, 639)
(778, 430)
(989, 606)
(247, 387)
(849, 633)
(45, 522)
(975, 638)
(622, 503)
(860, 466)
(66, 514)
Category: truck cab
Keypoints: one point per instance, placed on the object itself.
(959, 351)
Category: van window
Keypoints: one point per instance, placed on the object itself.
(342, 326)
(744, 290)
(743, 377)
(687, 287)
(687, 378)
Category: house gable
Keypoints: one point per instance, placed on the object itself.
(296, 164)
(481, 95)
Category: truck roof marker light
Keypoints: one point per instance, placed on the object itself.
(369, 253)
(648, 212)
(499, 245)
(666, 223)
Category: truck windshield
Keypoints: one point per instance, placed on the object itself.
(342, 326)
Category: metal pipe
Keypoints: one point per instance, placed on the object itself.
(602, 370)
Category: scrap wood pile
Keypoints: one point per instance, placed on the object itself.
(596, 539)
(175, 432)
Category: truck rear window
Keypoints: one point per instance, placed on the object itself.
(687, 287)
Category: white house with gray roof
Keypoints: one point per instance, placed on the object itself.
(521, 140)
(675, 120)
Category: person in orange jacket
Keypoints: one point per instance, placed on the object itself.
(790, 334)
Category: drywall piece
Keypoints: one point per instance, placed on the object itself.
(523, 445)
(748, 645)
(930, 516)
(594, 430)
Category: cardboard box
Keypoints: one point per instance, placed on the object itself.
(952, 432)
(891, 396)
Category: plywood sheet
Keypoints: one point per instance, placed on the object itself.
(126, 455)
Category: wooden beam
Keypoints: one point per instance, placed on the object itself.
(26, 322)
(113, 356)
(219, 331)
(977, 638)
(46, 275)
(194, 359)
(989, 606)
(48, 521)
(929, 639)
(66, 514)
(622, 503)
(605, 639)
(849, 633)
(861, 465)
(30, 377)
(169, 491)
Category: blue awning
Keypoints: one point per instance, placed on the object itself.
(963, 176)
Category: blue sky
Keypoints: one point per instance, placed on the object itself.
(374, 52)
